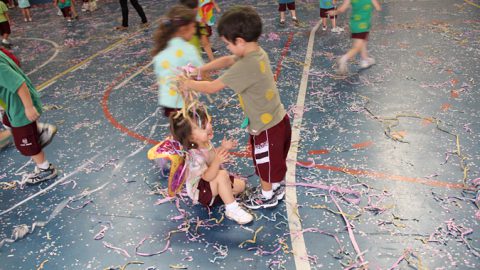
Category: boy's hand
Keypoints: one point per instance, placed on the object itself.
(32, 113)
(182, 81)
(229, 144)
(222, 156)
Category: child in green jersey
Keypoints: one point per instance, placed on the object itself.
(360, 23)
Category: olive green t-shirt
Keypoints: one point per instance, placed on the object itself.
(11, 78)
(252, 79)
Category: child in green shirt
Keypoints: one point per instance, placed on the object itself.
(22, 106)
(4, 24)
(360, 23)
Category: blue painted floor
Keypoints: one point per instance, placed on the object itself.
(400, 139)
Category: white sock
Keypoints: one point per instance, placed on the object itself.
(231, 206)
(44, 165)
(275, 186)
(267, 194)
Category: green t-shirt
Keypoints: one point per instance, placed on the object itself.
(3, 9)
(360, 20)
(11, 78)
(252, 79)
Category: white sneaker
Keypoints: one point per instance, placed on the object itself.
(324, 28)
(366, 63)
(59, 12)
(85, 7)
(340, 29)
(6, 42)
(46, 132)
(239, 215)
(342, 66)
(25, 19)
(29, 19)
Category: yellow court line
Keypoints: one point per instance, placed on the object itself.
(90, 58)
(471, 3)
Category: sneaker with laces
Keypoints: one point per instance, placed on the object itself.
(46, 132)
(256, 201)
(239, 215)
(280, 192)
(324, 28)
(40, 175)
(366, 63)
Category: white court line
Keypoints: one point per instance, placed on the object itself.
(57, 50)
(294, 222)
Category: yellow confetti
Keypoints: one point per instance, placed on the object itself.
(253, 240)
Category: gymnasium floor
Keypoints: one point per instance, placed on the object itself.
(382, 168)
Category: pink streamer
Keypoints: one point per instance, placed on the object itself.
(349, 228)
(101, 233)
(167, 245)
(395, 265)
(117, 249)
(164, 200)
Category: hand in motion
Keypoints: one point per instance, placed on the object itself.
(229, 144)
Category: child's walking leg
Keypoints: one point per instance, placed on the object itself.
(366, 61)
(343, 61)
(282, 8)
(29, 15)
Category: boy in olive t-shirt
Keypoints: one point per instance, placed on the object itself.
(251, 77)
(22, 106)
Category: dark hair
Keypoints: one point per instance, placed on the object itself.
(181, 126)
(190, 3)
(240, 22)
(176, 17)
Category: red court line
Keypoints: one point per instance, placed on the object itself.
(385, 176)
(133, 134)
(247, 154)
(112, 119)
(282, 56)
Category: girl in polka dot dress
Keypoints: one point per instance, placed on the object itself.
(171, 52)
(360, 23)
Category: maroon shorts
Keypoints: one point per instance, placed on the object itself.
(205, 196)
(66, 12)
(363, 35)
(270, 150)
(324, 13)
(283, 7)
(4, 28)
(26, 138)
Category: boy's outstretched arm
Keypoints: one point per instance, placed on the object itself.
(208, 87)
(376, 5)
(219, 63)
